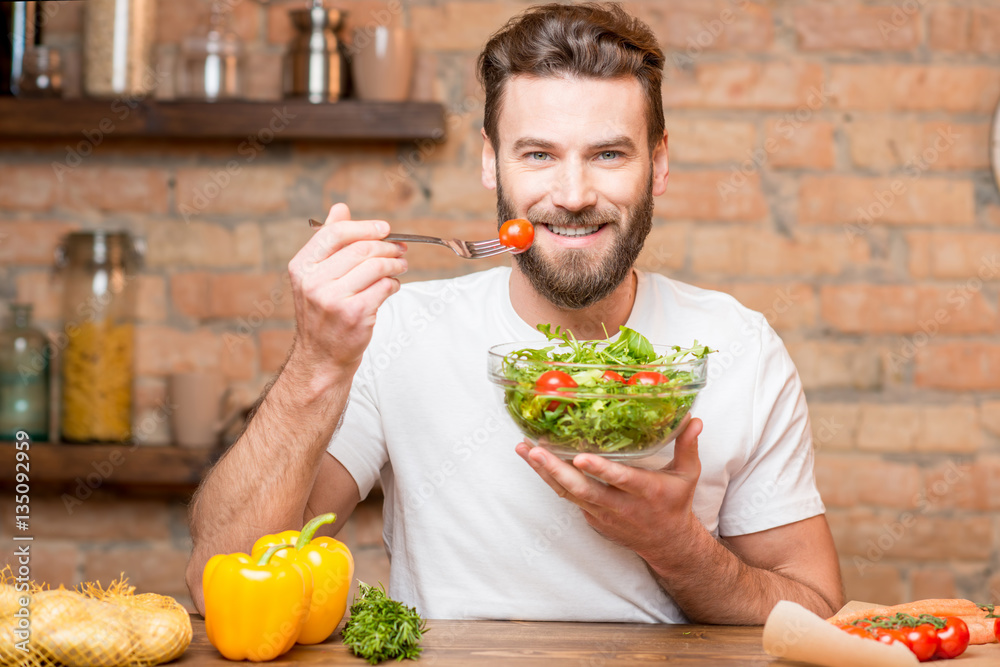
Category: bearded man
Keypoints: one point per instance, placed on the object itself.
(478, 524)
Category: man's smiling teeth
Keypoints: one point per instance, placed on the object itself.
(573, 231)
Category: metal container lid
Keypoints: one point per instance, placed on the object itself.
(100, 247)
(316, 18)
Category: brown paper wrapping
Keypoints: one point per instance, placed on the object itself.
(794, 634)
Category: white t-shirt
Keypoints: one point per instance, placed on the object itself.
(472, 531)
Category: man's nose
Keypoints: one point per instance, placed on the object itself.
(573, 189)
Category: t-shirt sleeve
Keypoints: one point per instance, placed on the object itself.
(359, 441)
(777, 485)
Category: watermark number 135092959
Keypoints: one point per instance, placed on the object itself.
(21, 562)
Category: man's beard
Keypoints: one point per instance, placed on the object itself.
(575, 281)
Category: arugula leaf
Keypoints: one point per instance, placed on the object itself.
(381, 628)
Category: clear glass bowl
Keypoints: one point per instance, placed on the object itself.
(616, 420)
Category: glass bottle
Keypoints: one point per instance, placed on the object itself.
(24, 377)
(98, 312)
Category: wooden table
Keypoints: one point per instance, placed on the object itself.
(499, 643)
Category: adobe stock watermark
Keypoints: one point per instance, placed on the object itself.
(105, 468)
(925, 500)
(378, 18)
(768, 489)
(249, 149)
(957, 298)
(725, 359)
(786, 127)
(423, 149)
(543, 539)
(262, 310)
(119, 110)
(417, 323)
(462, 451)
(900, 17)
(914, 168)
(709, 34)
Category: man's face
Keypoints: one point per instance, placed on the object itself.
(574, 159)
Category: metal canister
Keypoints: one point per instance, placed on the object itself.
(99, 270)
(315, 67)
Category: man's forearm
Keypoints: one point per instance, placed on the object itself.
(263, 482)
(711, 584)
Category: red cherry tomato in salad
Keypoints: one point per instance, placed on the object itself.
(648, 378)
(996, 629)
(953, 638)
(923, 641)
(611, 376)
(550, 382)
(517, 233)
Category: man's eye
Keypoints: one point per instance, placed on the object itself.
(609, 155)
(538, 155)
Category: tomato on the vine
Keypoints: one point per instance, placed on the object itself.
(996, 629)
(858, 632)
(923, 641)
(550, 382)
(517, 233)
(953, 638)
(611, 376)
(648, 378)
(892, 636)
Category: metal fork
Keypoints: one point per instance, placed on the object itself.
(464, 249)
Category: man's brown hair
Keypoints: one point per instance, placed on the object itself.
(598, 40)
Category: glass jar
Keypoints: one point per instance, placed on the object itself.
(118, 47)
(24, 377)
(41, 73)
(209, 67)
(99, 311)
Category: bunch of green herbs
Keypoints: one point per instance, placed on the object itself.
(600, 416)
(381, 628)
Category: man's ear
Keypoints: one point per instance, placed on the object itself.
(489, 163)
(661, 166)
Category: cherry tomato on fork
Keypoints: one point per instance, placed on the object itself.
(517, 233)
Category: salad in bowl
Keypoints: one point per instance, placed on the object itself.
(624, 400)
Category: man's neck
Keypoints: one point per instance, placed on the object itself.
(585, 323)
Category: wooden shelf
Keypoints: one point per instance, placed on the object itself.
(285, 120)
(144, 467)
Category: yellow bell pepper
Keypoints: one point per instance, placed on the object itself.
(332, 568)
(255, 607)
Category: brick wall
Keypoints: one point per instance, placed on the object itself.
(829, 168)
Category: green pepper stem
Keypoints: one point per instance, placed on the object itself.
(305, 537)
(273, 550)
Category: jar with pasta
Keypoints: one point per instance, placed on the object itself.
(117, 47)
(99, 270)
